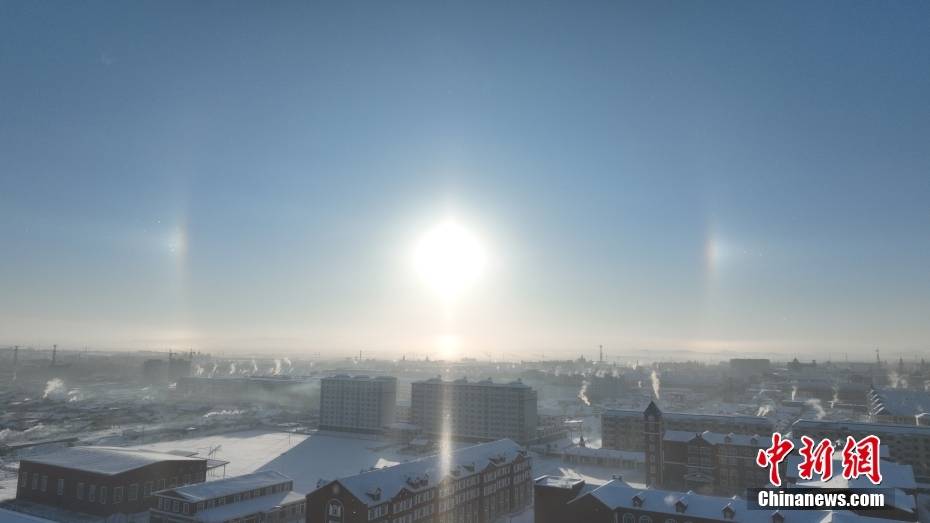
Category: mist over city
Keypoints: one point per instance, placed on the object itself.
(464, 262)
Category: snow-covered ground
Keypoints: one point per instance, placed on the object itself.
(328, 455)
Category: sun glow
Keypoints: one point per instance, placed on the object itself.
(450, 259)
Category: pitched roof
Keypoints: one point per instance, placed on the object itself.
(378, 486)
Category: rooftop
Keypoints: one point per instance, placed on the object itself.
(380, 485)
(106, 460)
(261, 504)
(226, 487)
(899, 402)
(617, 495)
(518, 383)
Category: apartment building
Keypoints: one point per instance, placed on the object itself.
(475, 410)
(357, 403)
(478, 484)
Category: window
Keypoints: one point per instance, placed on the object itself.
(147, 489)
(35, 481)
(117, 495)
(133, 492)
(44, 484)
(103, 494)
(175, 506)
(92, 493)
(334, 509)
(61, 486)
(161, 484)
(79, 492)
(645, 519)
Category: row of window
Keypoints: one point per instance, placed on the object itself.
(91, 493)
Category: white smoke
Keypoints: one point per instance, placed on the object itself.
(276, 370)
(198, 370)
(794, 392)
(254, 367)
(213, 371)
(764, 410)
(814, 404)
(583, 393)
(232, 367)
(55, 390)
(654, 378)
(223, 413)
(896, 380)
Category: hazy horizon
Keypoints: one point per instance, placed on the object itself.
(465, 179)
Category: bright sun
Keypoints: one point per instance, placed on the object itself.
(450, 259)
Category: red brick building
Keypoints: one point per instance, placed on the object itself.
(477, 484)
(104, 480)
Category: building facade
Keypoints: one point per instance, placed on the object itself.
(475, 411)
(701, 461)
(251, 498)
(907, 444)
(103, 481)
(357, 403)
(478, 484)
(623, 429)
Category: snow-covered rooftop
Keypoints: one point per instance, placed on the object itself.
(717, 438)
(106, 460)
(378, 486)
(226, 487)
(261, 504)
(899, 402)
(617, 495)
(688, 416)
(798, 427)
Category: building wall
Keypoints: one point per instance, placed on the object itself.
(481, 497)
(475, 410)
(359, 403)
(623, 429)
(118, 488)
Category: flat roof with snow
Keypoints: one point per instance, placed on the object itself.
(226, 487)
(106, 460)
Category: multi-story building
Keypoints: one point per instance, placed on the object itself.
(475, 410)
(357, 403)
(104, 481)
(706, 462)
(623, 429)
(261, 496)
(558, 500)
(477, 484)
(907, 444)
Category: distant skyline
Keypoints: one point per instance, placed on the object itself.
(650, 176)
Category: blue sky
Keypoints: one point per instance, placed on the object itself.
(654, 175)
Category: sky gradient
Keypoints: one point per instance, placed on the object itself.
(656, 175)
